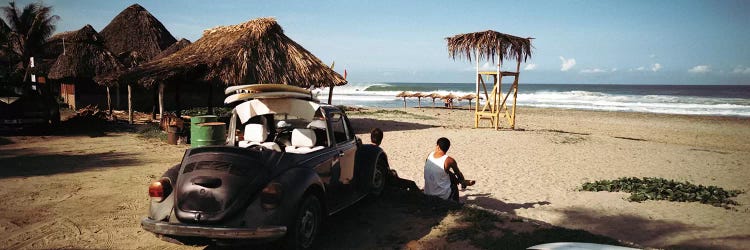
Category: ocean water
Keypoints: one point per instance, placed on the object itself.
(723, 100)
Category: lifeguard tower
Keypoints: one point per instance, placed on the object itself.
(492, 46)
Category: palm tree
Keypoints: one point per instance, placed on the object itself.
(26, 32)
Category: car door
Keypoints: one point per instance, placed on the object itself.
(345, 144)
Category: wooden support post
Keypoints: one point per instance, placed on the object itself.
(330, 94)
(117, 97)
(515, 93)
(478, 77)
(177, 99)
(130, 103)
(109, 102)
(155, 103)
(161, 100)
(210, 98)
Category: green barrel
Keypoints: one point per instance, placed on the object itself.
(208, 133)
(194, 121)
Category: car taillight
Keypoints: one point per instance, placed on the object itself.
(270, 197)
(159, 190)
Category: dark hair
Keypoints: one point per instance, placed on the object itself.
(444, 144)
(376, 136)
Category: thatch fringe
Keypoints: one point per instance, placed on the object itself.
(488, 45)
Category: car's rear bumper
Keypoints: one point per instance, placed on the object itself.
(212, 232)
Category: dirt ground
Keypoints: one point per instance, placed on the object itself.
(81, 191)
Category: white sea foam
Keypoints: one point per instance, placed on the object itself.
(356, 95)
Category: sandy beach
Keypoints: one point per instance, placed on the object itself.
(534, 173)
(85, 191)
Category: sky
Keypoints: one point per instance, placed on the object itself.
(596, 42)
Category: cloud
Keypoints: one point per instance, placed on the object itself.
(741, 70)
(530, 66)
(641, 68)
(614, 69)
(594, 70)
(700, 69)
(652, 56)
(567, 64)
(655, 67)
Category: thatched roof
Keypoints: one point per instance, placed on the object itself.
(449, 96)
(181, 44)
(488, 45)
(434, 95)
(136, 30)
(418, 95)
(403, 94)
(469, 97)
(253, 52)
(85, 56)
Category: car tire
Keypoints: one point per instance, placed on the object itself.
(379, 177)
(306, 224)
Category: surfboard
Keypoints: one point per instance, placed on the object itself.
(268, 95)
(577, 246)
(258, 88)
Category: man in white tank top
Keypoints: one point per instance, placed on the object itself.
(438, 179)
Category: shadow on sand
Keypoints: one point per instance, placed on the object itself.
(26, 162)
(364, 125)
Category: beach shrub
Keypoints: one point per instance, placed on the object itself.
(662, 189)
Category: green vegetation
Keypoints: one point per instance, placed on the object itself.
(151, 131)
(485, 231)
(391, 113)
(662, 189)
(218, 111)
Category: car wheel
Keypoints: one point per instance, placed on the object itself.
(378, 177)
(306, 224)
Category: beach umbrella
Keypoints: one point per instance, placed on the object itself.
(468, 97)
(419, 96)
(449, 99)
(404, 95)
(434, 96)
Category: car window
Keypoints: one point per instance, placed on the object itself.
(339, 128)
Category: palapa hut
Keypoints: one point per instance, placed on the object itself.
(404, 95)
(468, 97)
(135, 36)
(449, 99)
(419, 97)
(434, 96)
(253, 52)
(181, 44)
(83, 58)
(492, 45)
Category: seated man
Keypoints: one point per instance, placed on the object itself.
(438, 179)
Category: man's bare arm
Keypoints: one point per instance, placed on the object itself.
(451, 165)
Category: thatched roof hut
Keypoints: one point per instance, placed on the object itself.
(136, 30)
(257, 51)
(489, 45)
(85, 56)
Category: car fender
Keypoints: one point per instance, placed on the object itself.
(295, 182)
(364, 164)
(160, 210)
